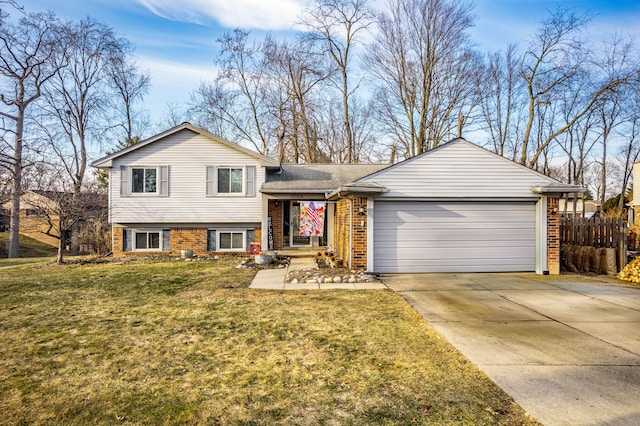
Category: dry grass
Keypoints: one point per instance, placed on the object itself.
(178, 342)
(28, 247)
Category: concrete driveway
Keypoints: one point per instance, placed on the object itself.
(566, 348)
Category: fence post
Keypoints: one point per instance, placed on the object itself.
(622, 243)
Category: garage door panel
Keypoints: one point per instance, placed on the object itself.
(419, 235)
(418, 246)
(454, 237)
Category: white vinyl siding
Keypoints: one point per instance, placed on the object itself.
(458, 170)
(421, 236)
(186, 201)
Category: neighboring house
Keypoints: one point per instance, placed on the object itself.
(583, 208)
(39, 213)
(456, 208)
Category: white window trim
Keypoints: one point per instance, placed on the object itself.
(144, 194)
(219, 232)
(146, 231)
(231, 194)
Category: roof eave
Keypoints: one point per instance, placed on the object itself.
(107, 161)
(293, 191)
(354, 189)
(555, 189)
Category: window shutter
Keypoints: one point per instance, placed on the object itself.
(211, 240)
(124, 181)
(211, 181)
(164, 181)
(127, 240)
(166, 240)
(250, 190)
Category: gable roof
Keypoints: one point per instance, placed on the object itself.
(315, 178)
(106, 161)
(461, 169)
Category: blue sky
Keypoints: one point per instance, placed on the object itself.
(176, 39)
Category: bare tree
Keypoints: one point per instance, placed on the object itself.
(618, 63)
(501, 101)
(131, 86)
(79, 103)
(422, 58)
(27, 50)
(338, 24)
(553, 61)
(243, 73)
(299, 70)
(629, 152)
(63, 216)
(77, 98)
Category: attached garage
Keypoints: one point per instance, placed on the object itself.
(455, 208)
(454, 236)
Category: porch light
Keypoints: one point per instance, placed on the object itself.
(361, 211)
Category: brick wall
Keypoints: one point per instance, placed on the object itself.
(351, 241)
(275, 212)
(117, 241)
(553, 237)
(359, 237)
(180, 239)
(189, 239)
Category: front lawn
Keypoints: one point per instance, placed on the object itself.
(177, 342)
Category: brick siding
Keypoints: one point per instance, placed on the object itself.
(180, 239)
(351, 241)
(553, 237)
(189, 239)
(359, 237)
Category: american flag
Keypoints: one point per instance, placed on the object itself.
(318, 219)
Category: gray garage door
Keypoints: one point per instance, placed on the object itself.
(454, 236)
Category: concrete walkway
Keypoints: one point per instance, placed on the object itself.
(567, 349)
(273, 279)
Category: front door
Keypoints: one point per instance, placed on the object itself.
(295, 238)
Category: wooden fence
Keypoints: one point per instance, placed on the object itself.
(608, 232)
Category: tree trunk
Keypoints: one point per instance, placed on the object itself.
(16, 188)
(60, 258)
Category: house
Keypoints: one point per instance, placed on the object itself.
(456, 208)
(578, 207)
(40, 214)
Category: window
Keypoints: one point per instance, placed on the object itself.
(32, 212)
(231, 240)
(230, 180)
(144, 180)
(147, 240)
(234, 181)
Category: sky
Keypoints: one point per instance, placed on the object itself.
(176, 39)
